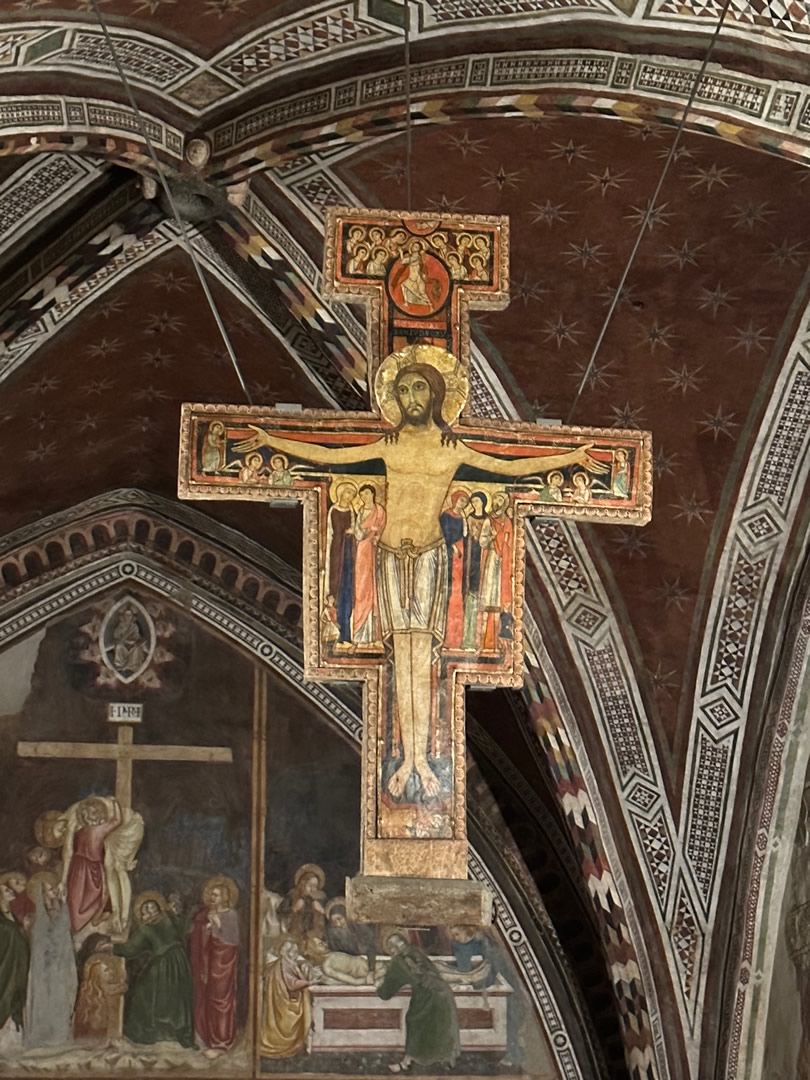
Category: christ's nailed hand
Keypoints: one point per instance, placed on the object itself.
(254, 442)
(583, 458)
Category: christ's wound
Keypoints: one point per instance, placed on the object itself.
(414, 519)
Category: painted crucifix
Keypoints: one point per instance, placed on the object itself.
(414, 525)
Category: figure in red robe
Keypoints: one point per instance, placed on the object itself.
(83, 876)
(214, 966)
(369, 525)
(454, 527)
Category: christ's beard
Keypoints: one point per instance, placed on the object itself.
(418, 419)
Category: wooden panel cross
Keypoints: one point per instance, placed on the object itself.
(414, 517)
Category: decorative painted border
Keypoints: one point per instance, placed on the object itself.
(638, 88)
(757, 541)
(325, 32)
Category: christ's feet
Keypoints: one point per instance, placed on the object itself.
(430, 782)
(398, 782)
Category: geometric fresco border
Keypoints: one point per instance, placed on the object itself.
(326, 31)
(70, 587)
(756, 544)
(784, 756)
(635, 88)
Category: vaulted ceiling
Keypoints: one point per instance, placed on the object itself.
(652, 653)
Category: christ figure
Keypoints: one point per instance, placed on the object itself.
(421, 455)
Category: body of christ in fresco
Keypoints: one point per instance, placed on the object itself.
(422, 456)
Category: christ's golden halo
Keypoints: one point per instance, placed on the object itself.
(449, 367)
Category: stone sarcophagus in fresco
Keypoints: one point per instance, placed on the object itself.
(414, 519)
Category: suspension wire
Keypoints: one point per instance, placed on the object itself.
(408, 119)
(170, 198)
(650, 207)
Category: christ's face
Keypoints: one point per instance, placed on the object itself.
(415, 398)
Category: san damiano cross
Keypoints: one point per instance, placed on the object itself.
(414, 518)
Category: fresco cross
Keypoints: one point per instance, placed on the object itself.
(414, 519)
(124, 752)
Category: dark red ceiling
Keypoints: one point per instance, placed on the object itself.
(98, 406)
(691, 351)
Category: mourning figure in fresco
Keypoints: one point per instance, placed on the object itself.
(287, 1007)
(14, 964)
(98, 1003)
(303, 909)
(159, 1000)
(214, 948)
(431, 1022)
(53, 979)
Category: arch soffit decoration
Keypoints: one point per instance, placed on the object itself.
(744, 974)
(82, 554)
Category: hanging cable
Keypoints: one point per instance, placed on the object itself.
(650, 207)
(170, 198)
(408, 121)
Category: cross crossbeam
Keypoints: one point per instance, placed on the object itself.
(414, 522)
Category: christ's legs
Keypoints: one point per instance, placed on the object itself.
(413, 678)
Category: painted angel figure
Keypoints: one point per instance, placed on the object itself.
(99, 847)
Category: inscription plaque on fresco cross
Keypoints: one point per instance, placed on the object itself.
(414, 519)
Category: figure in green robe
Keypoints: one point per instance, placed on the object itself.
(431, 1022)
(159, 1002)
(14, 959)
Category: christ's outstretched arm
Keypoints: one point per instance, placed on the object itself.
(306, 451)
(526, 466)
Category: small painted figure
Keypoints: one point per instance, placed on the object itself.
(302, 910)
(14, 961)
(620, 478)
(287, 1009)
(159, 1002)
(341, 546)
(280, 475)
(330, 631)
(22, 906)
(98, 1004)
(431, 1022)
(214, 948)
(454, 526)
(477, 529)
(369, 524)
(214, 448)
(582, 488)
(250, 472)
(52, 981)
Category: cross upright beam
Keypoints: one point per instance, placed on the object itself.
(414, 522)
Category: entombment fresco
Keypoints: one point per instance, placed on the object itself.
(172, 900)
